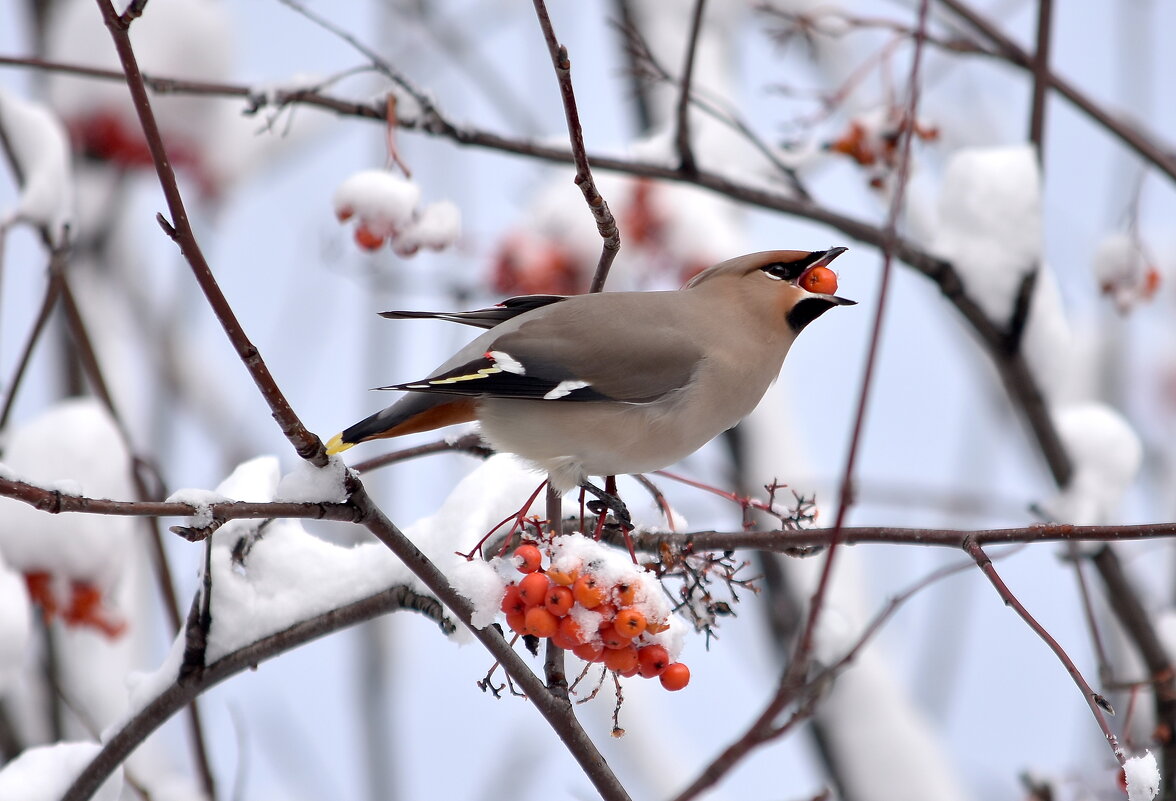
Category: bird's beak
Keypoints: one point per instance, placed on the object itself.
(828, 256)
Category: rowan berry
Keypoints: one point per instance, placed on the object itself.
(366, 238)
(517, 622)
(653, 660)
(626, 593)
(622, 660)
(528, 557)
(540, 622)
(630, 622)
(570, 634)
(533, 589)
(558, 600)
(562, 577)
(512, 601)
(613, 638)
(589, 651)
(587, 592)
(820, 280)
(675, 676)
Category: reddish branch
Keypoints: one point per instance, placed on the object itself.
(1098, 705)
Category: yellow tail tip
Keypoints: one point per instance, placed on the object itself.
(337, 445)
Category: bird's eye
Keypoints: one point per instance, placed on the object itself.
(782, 271)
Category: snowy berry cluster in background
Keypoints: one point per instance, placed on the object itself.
(593, 602)
(387, 209)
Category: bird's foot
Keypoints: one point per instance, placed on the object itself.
(608, 502)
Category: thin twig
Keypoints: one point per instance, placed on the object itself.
(305, 443)
(1040, 78)
(1123, 596)
(685, 151)
(165, 583)
(1098, 705)
(606, 225)
(846, 495)
(471, 444)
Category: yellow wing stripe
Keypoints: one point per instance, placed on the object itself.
(484, 372)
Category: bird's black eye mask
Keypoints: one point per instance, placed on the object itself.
(792, 270)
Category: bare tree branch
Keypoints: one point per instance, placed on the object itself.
(606, 225)
(305, 443)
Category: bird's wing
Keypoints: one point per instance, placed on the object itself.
(483, 318)
(628, 357)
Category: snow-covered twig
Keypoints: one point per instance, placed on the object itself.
(606, 225)
(175, 696)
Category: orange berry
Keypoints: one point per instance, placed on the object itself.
(366, 238)
(540, 622)
(558, 600)
(626, 593)
(570, 634)
(517, 621)
(343, 213)
(613, 638)
(589, 651)
(630, 622)
(622, 660)
(656, 626)
(533, 589)
(653, 660)
(587, 592)
(820, 280)
(564, 578)
(606, 611)
(513, 600)
(528, 557)
(675, 676)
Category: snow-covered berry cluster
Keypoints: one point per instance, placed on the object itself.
(387, 209)
(589, 601)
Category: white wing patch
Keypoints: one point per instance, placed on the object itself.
(506, 362)
(564, 388)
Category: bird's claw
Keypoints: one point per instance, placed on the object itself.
(607, 502)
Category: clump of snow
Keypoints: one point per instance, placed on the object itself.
(1143, 777)
(309, 484)
(437, 227)
(75, 446)
(44, 773)
(39, 145)
(15, 623)
(386, 208)
(1106, 454)
(383, 201)
(1123, 271)
(989, 224)
(202, 500)
(190, 39)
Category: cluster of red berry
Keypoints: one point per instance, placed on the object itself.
(550, 604)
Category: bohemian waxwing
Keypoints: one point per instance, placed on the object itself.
(616, 382)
